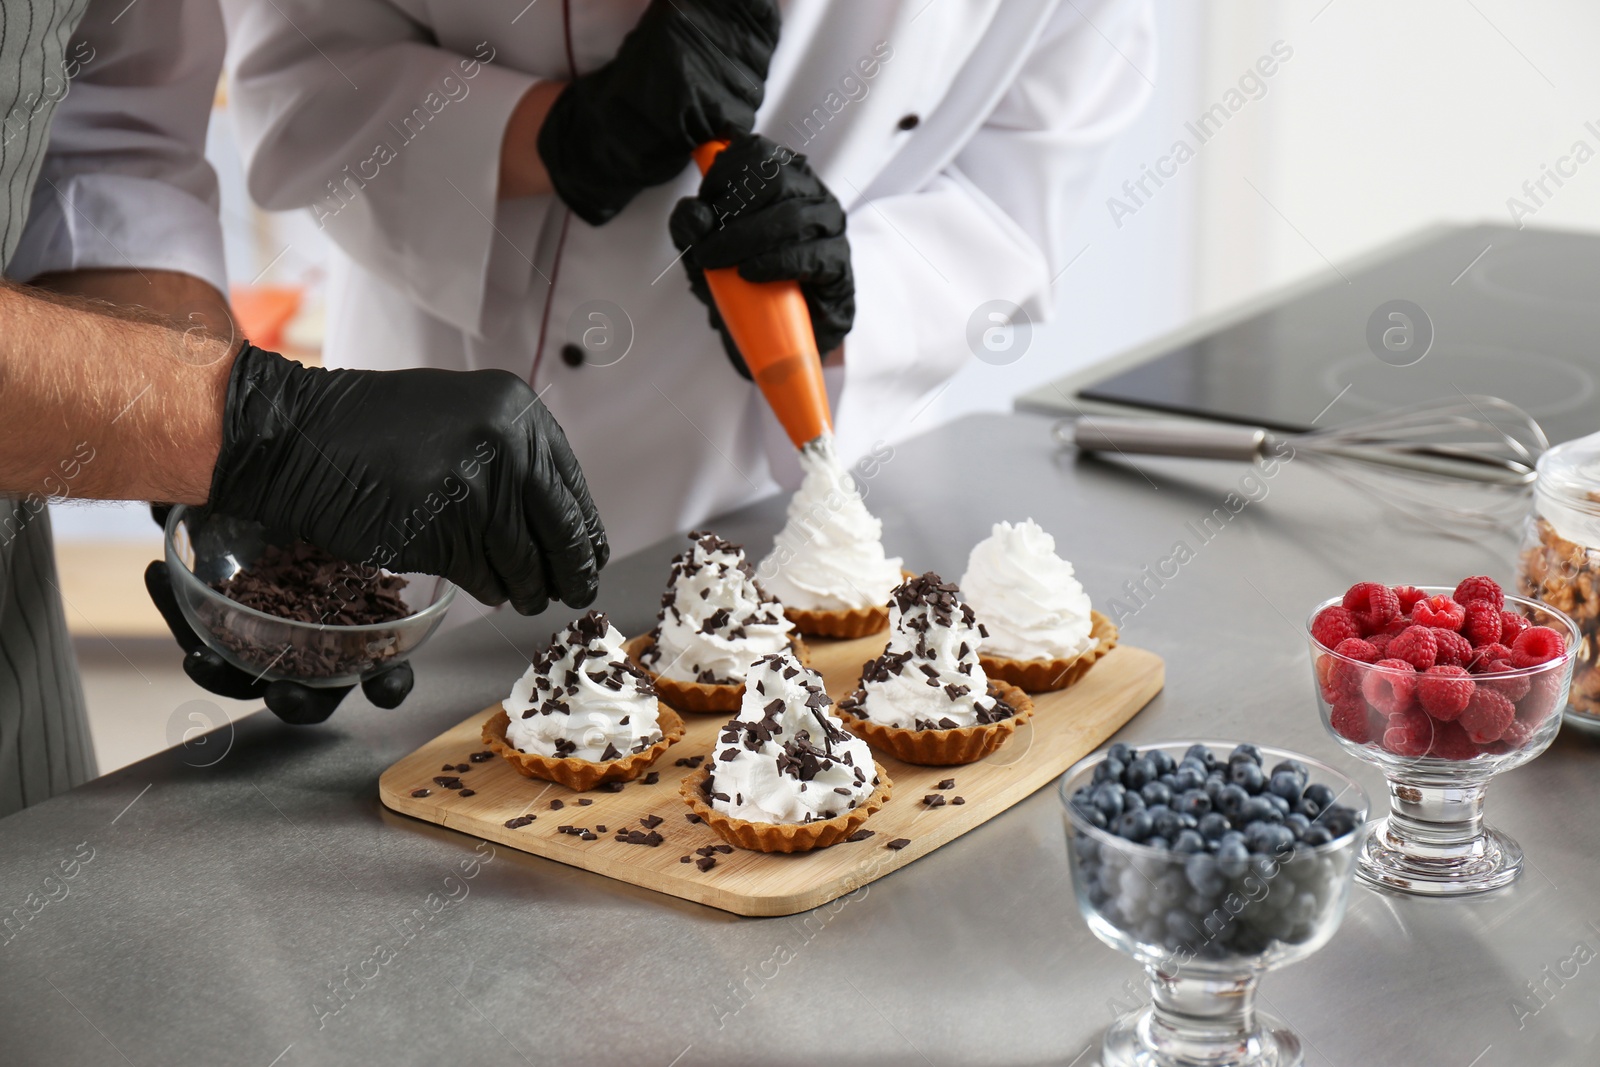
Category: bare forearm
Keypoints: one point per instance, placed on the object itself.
(522, 172)
(101, 406)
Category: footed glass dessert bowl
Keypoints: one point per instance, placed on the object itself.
(1210, 864)
(1441, 722)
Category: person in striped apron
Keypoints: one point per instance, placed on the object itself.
(106, 202)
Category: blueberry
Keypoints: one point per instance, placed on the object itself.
(1132, 888)
(1247, 775)
(1165, 820)
(1193, 802)
(1134, 825)
(1170, 887)
(1187, 821)
(1317, 835)
(1109, 770)
(1231, 800)
(1188, 841)
(1278, 803)
(1199, 753)
(1266, 837)
(1338, 819)
(1300, 769)
(1156, 793)
(1213, 825)
(1132, 801)
(1258, 809)
(1250, 751)
(1188, 777)
(1298, 824)
(1097, 819)
(1121, 752)
(1286, 784)
(1201, 872)
(1163, 760)
(1169, 780)
(1214, 784)
(1320, 795)
(1233, 859)
(1157, 841)
(1140, 773)
(1107, 799)
(1231, 835)
(1308, 807)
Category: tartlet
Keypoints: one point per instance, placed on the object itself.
(580, 774)
(784, 774)
(1049, 675)
(700, 696)
(950, 747)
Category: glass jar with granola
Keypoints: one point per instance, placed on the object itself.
(1560, 559)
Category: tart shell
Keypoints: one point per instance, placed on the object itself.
(700, 696)
(847, 623)
(581, 774)
(945, 748)
(781, 837)
(1049, 675)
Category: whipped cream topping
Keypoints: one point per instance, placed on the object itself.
(582, 699)
(1026, 595)
(715, 619)
(785, 757)
(928, 677)
(829, 554)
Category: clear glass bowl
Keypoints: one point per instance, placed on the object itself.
(203, 548)
(1434, 841)
(1206, 928)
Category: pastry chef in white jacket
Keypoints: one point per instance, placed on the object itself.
(958, 136)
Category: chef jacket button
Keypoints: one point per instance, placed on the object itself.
(571, 355)
(909, 122)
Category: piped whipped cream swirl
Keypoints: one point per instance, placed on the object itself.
(829, 554)
(582, 699)
(715, 619)
(785, 757)
(928, 677)
(1027, 595)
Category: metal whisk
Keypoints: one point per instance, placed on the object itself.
(1417, 458)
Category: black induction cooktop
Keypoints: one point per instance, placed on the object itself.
(1513, 313)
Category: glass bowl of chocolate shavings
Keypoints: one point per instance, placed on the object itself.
(282, 609)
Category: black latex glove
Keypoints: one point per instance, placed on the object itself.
(292, 702)
(691, 71)
(463, 474)
(761, 208)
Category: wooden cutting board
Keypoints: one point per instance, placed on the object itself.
(1065, 727)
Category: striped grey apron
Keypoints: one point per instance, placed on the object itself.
(44, 734)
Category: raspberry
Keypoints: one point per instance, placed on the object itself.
(1535, 645)
(1541, 698)
(1511, 686)
(1333, 625)
(1341, 677)
(1444, 692)
(1397, 625)
(1482, 623)
(1390, 686)
(1450, 741)
(1373, 604)
(1511, 624)
(1484, 658)
(1439, 611)
(1517, 735)
(1408, 595)
(1480, 588)
(1454, 650)
(1350, 720)
(1416, 645)
(1487, 716)
(1380, 642)
(1408, 734)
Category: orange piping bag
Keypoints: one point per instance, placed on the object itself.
(771, 327)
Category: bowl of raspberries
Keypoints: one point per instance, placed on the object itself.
(1442, 688)
(1210, 864)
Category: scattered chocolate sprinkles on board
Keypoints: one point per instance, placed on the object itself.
(898, 843)
(948, 783)
(520, 821)
(420, 793)
(861, 835)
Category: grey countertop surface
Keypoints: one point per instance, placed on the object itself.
(212, 910)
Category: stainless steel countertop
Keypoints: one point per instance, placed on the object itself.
(221, 902)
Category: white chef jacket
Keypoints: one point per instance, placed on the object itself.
(958, 134)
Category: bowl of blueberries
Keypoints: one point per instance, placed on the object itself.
(1209, 863)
